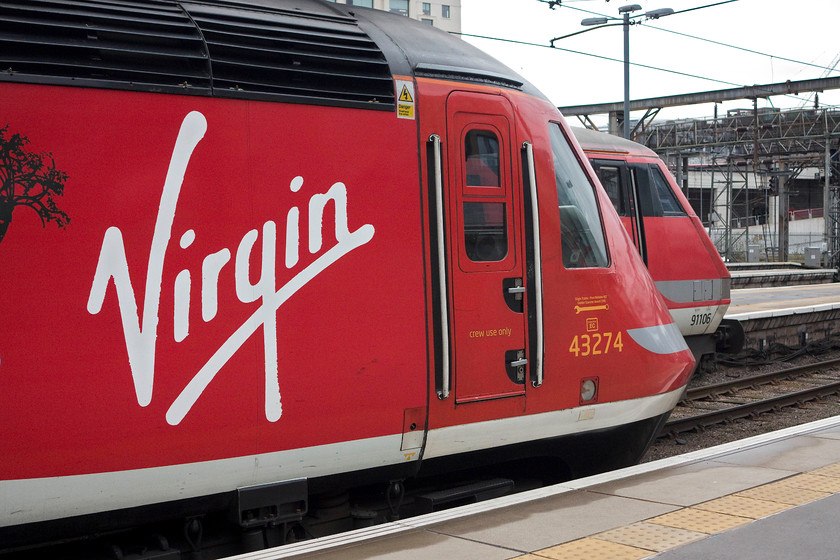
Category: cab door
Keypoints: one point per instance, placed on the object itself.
(486, 250)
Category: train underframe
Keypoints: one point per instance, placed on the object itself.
(270, 515)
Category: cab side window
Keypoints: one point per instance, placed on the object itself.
(667, 199)
(656, 199)
(646, 198)
(481, 152)
(485, 231)
(611, 180)
(581, 232)
(485, 217)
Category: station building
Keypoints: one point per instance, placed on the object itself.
(445, 15)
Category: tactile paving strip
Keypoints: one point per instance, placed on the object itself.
(591, 548)
(818, 483)
(651, 536)
(743, 507)
(830, 470)
(708, 522)
(783, 494)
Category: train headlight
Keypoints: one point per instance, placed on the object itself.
(588, 390)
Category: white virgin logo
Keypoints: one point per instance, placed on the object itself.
(141, 331)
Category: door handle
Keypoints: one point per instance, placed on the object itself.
(515, 362)
(436, 154)
(537, 351)
(514, 293)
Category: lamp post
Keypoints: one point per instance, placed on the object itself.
(626, 21)
(626, 11)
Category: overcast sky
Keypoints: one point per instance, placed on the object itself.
(801, 30)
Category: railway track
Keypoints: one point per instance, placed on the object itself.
(751, 396)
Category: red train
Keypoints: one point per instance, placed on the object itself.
(258, 252)
(682, 260)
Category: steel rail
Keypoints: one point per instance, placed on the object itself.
(701, 421)
(710, 418)
(705, 391)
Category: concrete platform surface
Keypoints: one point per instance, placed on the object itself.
(783, 299)
(743, 278)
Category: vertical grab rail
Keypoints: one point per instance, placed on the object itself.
(537, 375)
(444, 319)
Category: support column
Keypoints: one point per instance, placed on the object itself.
(679, 174)
(827, 225)
(784, 214)
(616, 121)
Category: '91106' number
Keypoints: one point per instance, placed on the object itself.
(596, 343)
(701, 319)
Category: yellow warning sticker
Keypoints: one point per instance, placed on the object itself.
(405, 95)
(405, 111)
(405, 99)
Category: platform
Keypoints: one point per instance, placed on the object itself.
(766, 274)
(755, 303)
(789, 315)
(770, 496)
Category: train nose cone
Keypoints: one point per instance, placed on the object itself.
(659, 339)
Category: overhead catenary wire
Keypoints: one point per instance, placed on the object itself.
(827, 69)
(554, 3)
(608, 58)
(720, 43)
(602, 57)
(832, 68)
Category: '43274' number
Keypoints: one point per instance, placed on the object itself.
(594, 344)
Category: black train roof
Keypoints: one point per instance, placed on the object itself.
(300, 51)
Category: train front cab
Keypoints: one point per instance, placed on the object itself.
(670, 238)
(548, 309)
